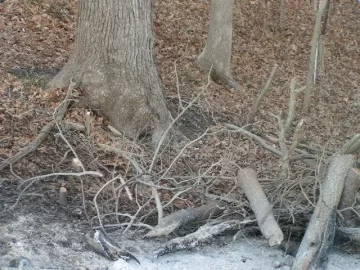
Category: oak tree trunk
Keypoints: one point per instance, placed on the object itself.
(217, 52)
(113, 62)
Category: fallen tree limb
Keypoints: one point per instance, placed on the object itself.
(171, 222)
(260, 205)
(44, 132)
(319, 235)
(203, 235)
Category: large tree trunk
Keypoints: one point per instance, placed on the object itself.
(113, 62)
(217, 51)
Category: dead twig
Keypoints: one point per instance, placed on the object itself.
(261, 141)
(161, 141)
(263, 92)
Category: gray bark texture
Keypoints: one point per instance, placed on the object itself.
(348, 198)
(182, 217)
(113, 63)
(269, 228)
(217, 51)
(319, 236)
(310, 79)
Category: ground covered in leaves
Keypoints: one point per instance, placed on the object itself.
(36, 38)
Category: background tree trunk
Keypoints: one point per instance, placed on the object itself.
(113, 62)
(311, 76)
(217, 51)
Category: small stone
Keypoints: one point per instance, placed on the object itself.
(277, 264)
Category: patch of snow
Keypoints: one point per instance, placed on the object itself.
(50, 245)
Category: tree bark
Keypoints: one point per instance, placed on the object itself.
(319, 235)
(217, 52)
(113, 63)
(311, 75)
(269, 228)
(348, 198)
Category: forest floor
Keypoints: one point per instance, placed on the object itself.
(36, 38)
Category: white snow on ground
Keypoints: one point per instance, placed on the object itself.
(59, 246)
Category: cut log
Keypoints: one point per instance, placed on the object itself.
(260, 205)
(319, 235)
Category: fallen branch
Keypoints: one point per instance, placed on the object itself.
(300, 145)
(260, 205)
(319, 235)
(182, 217)
(203, 235)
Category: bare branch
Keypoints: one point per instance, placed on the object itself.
(263, 92)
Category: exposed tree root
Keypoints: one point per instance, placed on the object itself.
(224, 79)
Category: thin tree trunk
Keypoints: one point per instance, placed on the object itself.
(113, 62)
(311, 76)
(217, 52)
